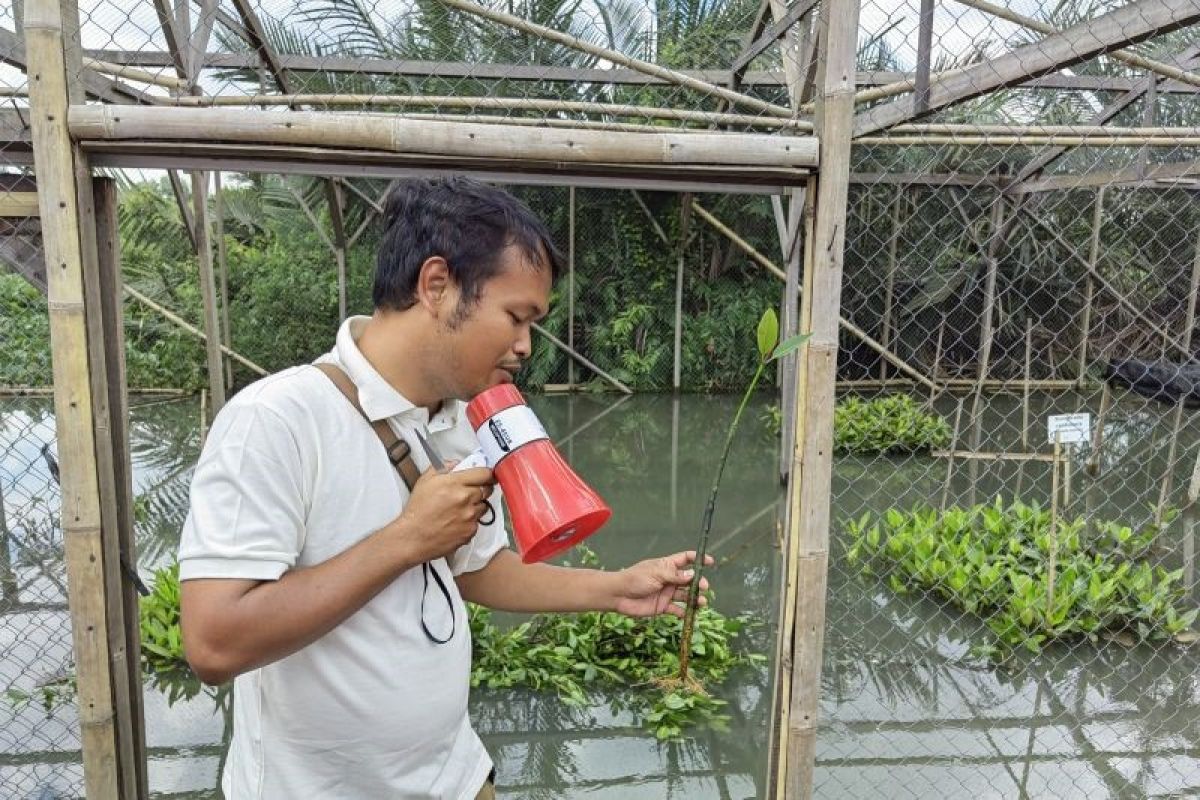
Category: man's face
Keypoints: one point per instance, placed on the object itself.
(489, 340)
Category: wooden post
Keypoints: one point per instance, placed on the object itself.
(571, 283)
(223, 275)
(885, 332)
(212, 328)
(685, 215)
(986, 333)
(1090, 287)
(73, 402)
(810, 487)
(106, 341)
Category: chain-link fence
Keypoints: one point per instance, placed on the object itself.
(1003, 622)
(1022, 241)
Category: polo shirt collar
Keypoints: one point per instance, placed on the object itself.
(379, 400)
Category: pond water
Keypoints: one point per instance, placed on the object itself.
(905, 709)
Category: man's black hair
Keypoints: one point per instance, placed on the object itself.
(466, 222)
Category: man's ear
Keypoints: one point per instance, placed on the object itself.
(435, 286)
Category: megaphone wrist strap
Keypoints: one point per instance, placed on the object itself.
(427, 568)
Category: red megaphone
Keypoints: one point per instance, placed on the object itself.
(551, 507)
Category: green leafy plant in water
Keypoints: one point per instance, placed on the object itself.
(993, 559)
(893, 423)
(576, 654)
(889, 424)
(769, 349)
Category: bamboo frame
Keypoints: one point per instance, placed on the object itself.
(1090, 287)
(810, 525)
(774, 269)
(1032, 140)
(106, 343)
(495, 103)
(1124, 56)
(174, 318)
(617, 57)
(1124, 26)
(73, 401)
(398, 134)
(582, 359)
(571, 283)
(208, 291)
(791, 545)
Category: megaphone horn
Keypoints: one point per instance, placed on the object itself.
(552, 508)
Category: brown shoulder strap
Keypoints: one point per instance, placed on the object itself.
(398, 451)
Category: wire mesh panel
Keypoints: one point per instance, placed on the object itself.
(1005, 621)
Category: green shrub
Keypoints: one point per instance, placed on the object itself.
(890, 424)
(571, 654)
(993, 561)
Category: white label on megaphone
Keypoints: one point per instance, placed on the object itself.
(508, 430)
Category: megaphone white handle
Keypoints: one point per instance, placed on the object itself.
(507, 431)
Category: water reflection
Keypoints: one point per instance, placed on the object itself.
(905, 707)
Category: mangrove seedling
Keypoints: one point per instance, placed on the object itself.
(768, 351)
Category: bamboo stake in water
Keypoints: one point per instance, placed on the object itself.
(1052, 566)
(1093, 463)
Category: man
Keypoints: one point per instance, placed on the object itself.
(310, 573)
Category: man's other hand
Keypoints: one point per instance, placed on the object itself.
(658, 585)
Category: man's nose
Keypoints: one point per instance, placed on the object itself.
(524, 344)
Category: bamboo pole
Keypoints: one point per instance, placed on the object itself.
(174, 318)
(791, 546)
(335, 199)
(1090, 287)
(133, 73)
(1032, 140)
(392, 133)
(571, 283)
(1164, 489)
(1052, 565)
(846, 324)
(1025, 384)
(789, 242)
(987, 329)
(1189, 324)
(1102, 131)
(560, 344)
(951, 454)
(619, 58)
(208, 291)
(685, 209)
(223, 275)
(106, 341)
(1125, 56)
(495, 103)
(835, 122)
(1092, 467)
(80, 511)
(885, 333)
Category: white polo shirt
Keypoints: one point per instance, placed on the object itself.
(291, 476)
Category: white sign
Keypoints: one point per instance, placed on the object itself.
(1069, 428)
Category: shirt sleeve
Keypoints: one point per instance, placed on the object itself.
(488, 540)
(247, 512)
